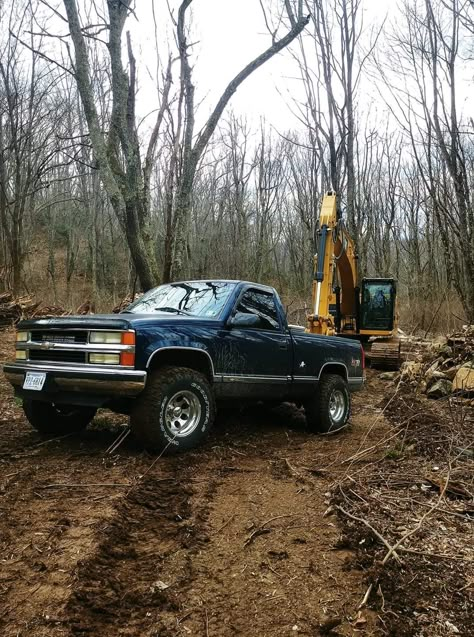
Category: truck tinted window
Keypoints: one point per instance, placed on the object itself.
(193, 298)
(262, 305)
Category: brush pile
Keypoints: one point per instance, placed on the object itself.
(14, 309)
(445, 367)
(125, 302)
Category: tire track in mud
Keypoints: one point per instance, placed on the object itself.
(119, 590)
(43, 531)
(171, 556)
(175, 557)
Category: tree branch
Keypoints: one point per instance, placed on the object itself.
(234, 84)
(41, 54)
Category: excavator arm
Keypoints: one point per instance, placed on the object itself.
(334, 293)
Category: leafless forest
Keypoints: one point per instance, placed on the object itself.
(124, 164)
(103, 193)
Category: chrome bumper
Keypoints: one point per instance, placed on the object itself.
(85, 379)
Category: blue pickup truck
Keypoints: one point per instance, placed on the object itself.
(176, 353)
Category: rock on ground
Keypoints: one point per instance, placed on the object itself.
(388, 376)
(464, 379)
(441, 388)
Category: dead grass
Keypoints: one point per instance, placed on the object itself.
(38, 281)
(442, 316)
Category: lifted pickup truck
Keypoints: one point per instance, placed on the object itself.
(172, 355)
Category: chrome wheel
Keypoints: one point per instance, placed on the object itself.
(337, 405)
(183, 413)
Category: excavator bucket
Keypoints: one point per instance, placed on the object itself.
(385, 354)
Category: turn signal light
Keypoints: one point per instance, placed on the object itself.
(128, 338)
(127, 358)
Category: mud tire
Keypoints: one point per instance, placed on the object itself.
(150, 421)
(329, 409)
(50, 419)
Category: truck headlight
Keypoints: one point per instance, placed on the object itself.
(20, 354)
(22, 337)
(104, 359)
(112, 338)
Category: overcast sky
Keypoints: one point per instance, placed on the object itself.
(229, 34)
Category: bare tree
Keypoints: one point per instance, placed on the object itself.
(425, 56)
(28, 120)
(193, 148)
(331, 80)
(117, 152)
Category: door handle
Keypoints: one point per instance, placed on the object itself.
(283, 346)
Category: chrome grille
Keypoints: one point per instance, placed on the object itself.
(58, 356)
(63, 336)
(68, 346)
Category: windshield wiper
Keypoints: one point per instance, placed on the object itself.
(172, 309)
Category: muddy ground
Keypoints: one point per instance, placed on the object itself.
(241, 537)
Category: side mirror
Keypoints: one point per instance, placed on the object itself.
(242, 319)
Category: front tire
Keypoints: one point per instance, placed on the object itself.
(175, 411)
(329, 409)
(52, 419)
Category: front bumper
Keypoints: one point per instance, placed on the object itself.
(85, 379)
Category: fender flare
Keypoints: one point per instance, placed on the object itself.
(200, 350)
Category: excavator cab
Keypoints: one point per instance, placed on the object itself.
(377, 304)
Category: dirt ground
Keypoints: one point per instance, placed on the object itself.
(239, 537)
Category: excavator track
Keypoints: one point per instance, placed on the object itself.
(385, 354)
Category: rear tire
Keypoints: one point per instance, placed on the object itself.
(175, 411)
(329, 409)
(52, 419)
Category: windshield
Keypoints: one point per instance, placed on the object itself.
(194, 298)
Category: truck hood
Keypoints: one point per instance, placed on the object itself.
(112, 321)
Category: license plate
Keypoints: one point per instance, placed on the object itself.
(34, 380)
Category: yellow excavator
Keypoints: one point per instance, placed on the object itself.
(340, 305)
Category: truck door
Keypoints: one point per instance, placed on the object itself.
(255, 358)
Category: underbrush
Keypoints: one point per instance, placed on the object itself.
(408, 513)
